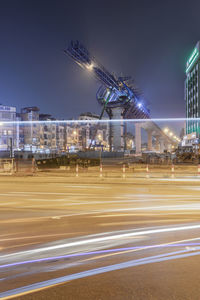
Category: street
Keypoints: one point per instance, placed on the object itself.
(74, 237)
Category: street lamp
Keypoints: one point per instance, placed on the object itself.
(90, 67)
(166, 130)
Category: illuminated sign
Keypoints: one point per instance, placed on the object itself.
(192, 59)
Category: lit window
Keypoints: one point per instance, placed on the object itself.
(5, 132)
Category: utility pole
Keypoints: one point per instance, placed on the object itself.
(11, 148)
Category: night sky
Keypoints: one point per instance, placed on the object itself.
(149, 40)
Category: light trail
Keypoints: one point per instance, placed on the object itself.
(196, 179)
(104, 239)
(162, 208)
(33, 236)
(97, 252)
(132, 263)
(100, 121)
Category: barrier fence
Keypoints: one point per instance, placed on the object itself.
(124, 170)
(6, 166)
(10, 166)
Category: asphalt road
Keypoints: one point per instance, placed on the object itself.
(99, 238)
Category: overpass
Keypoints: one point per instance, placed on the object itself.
(119, 97)
(163, 142)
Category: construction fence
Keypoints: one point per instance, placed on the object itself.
(10, 166)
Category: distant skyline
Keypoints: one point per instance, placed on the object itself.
(149, 40)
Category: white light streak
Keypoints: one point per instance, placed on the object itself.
(100, 121)
(106, 238)
(132, 263)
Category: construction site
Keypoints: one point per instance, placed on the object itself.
(123, 134)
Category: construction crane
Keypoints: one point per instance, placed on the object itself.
(114, 91)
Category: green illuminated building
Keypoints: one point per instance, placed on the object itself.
(192, 94)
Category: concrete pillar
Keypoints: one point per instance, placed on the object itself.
(169, 147)
(117, 129)
(125, 136)
(149, 145)
(110, 137)
(138, 139)
(157, 148)
(162, 146)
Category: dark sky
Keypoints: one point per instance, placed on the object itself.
(147, 39)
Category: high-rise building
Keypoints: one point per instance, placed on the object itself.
(47, 134)
(192, 95)
(72, 137)
(31, 136)
(61, 137)
(8, 131)
(93, 134)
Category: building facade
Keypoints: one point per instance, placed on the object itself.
(73, 139)
(192, 96)
(40, 133)
(47, 134)
(9, 132)
(93, 134)
(61, 137)
(30, 140)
